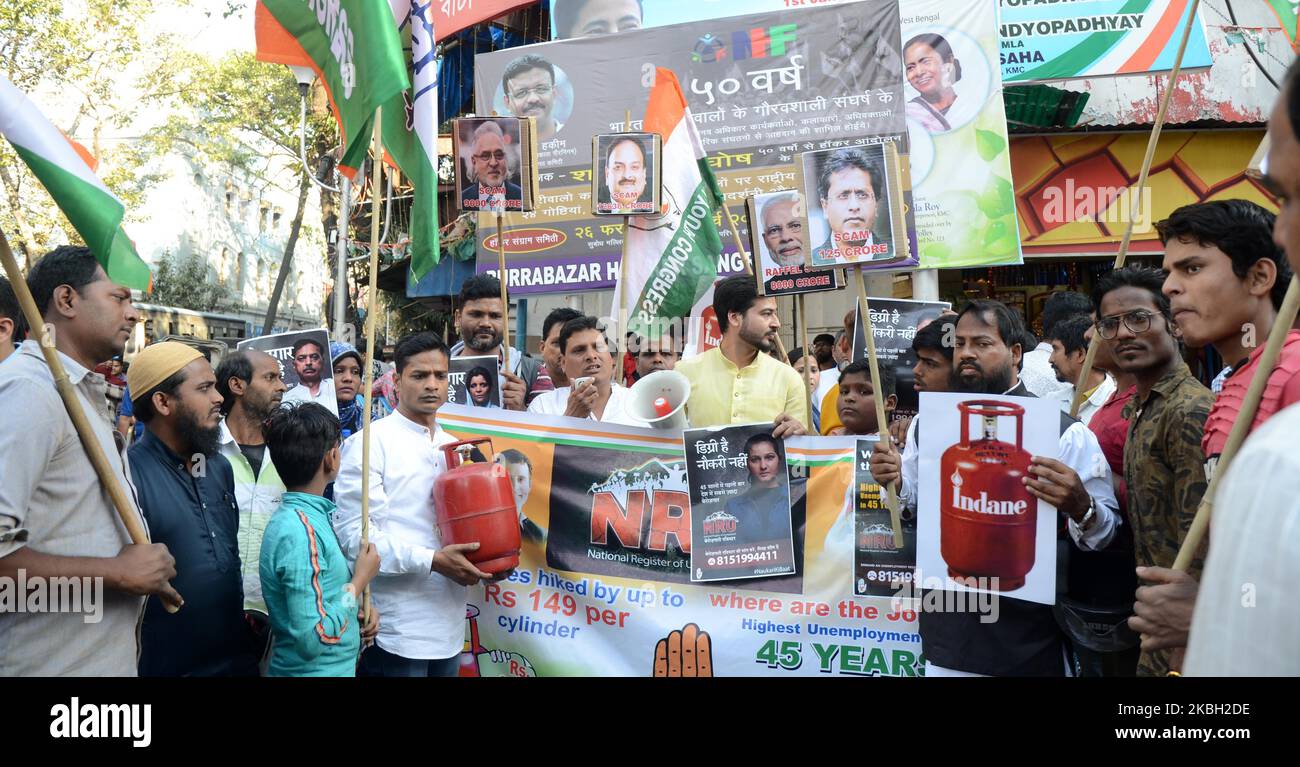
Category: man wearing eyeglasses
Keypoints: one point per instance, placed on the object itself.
(308, 363)
(529, 84)
(1163, 460)
(492, 189)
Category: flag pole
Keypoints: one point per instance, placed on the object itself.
(802, 310)
(103, 470)
(505, 300)
(621, 297)
(878, 396)
(376, 175)
(1152, 141)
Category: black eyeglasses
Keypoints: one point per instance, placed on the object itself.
(1138, 321)
(498, 155)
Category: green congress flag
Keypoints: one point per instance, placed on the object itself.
(353, 46)
(672, 258)
(95, 212)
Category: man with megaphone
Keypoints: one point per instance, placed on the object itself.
(589, 364)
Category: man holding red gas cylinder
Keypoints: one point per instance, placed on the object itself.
(421, 586)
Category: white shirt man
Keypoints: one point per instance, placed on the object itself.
(1091, 404)
(554, 402)
(1036, 372)
(324, 396)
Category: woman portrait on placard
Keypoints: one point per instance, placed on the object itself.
(932, 69)
(478, 382)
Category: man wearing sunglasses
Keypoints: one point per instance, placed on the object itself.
(308, 363)
(1163, 461)
(492, 189)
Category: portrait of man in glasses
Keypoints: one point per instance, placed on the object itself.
(529, 85)
(490, 158)
(313, 371)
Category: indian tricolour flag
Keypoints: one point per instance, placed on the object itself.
(672, 258)
(94, 212)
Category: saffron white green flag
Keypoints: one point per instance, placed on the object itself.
(94, 212)
(672, 258)
(410, 128)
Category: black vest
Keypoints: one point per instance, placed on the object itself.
(1024, 641)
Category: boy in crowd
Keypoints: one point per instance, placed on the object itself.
(310, 593)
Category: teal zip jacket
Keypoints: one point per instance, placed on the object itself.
(314, 621)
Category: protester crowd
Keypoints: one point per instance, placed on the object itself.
(253, 504)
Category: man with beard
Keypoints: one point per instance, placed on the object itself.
(658, 354)
(850, 186)
(56, 519)
(309, 361)
(1025, 639)
(492, 189)
(735, 383)
(783, 233)
(480, 318)
(529, 85)
(625, 177)
(187, 492)
(1069, 348)
(251, 390)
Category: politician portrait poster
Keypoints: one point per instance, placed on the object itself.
(776, 229)
(490, 163)
(854, 207)
(626, 181)
(305, 365)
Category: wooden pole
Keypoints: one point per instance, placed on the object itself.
(882, 423)
(749, 269)
(802, 320)
(620, 310)
(376, 176)
(505, 300)
(1241, 426)
(103, 469)
(1120, 257)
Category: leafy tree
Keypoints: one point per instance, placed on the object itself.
(184, 283)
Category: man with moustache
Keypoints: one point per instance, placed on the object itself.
(850, 187)
(658, 354)
(480, 318)
(309, 361)
(783, 231)
(625, 179)
(551, 376)
(1163, 462)
(187, 493)
(1025, 639)
(421, 586)
(529, 85)
(739, 381)
(586, 352)
(251, 390)
(56, 519)
(492, 189)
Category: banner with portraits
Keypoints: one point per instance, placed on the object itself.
(603, 587)
(762, 88)
(495, 159)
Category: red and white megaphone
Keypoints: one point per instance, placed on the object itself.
(659, 400)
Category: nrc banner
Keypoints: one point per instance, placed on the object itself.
(603, 585)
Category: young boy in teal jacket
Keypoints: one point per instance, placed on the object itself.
(310, 593)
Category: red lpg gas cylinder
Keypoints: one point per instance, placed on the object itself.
(987, 518)
(473, 502)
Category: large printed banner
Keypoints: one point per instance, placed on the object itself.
(963, 205)
(603, 586)
(1097, 38)
(762, 88)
